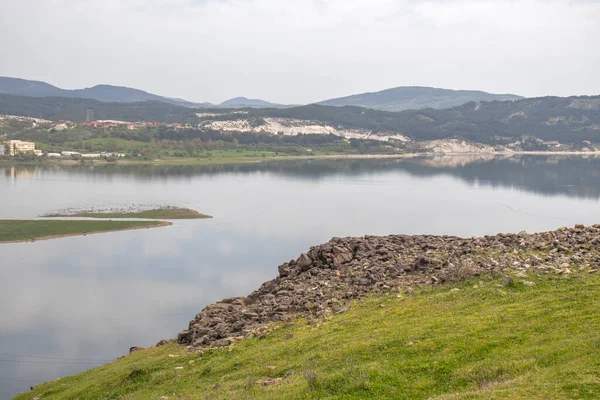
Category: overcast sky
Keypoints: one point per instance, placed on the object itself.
(302, 51)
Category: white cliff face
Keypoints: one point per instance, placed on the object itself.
(456, 146)
(292, 127)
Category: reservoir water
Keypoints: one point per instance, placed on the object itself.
(70, 304)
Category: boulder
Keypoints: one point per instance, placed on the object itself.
(304, 262)
(133, 349)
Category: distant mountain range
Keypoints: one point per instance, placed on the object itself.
(115, 94)
(104, 93)
(397, 99)
(415, 98)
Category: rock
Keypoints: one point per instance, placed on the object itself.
(342, 258)
(304, 262)
(222, 342)
(269, 381)
(164, 342)
(507, 280)
(362, 281)
(422, 262)
(133, 349)
(527, 283)
(341, 250)
(183, 337)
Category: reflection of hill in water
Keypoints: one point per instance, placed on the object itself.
(547, 175)
(570, 176)
(453, 161)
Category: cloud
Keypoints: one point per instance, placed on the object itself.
(306, 50)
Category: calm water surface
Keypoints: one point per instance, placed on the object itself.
(69, 304)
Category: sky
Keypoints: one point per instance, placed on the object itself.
(303, 51)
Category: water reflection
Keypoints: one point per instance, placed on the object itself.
(549, 175)
(71, 301)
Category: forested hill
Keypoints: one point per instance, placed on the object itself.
(243, 102)
(551, 118)
(571, 119)
(416, 97)
(72, 109)
(105, 93)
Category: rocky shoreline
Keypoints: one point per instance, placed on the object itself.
(329, 276)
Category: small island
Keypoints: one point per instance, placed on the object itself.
(12, 230)
(157, 213)
(15, 230)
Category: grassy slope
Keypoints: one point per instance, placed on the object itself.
(158, 213)
(24, 230)
(489, 341)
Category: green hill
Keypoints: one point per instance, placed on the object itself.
(74, 109)
(104, 93)
(415, 98)
(241, 102)
(485, 340)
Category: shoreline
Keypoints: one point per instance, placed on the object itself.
(249, 160)
(354, 268)
(150, 214)
(159, 224)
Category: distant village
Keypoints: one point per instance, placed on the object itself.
(19, 147)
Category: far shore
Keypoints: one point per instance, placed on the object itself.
(247, 160)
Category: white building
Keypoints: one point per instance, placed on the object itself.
(14, 147)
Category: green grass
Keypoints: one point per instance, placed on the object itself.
(221, 157)
(484, 341)
(26, 230)
(158, 213)
(233, 157)
(218, 157)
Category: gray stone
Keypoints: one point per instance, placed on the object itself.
(304, 261)
(507, 280)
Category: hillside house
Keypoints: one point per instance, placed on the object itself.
(14, 147)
